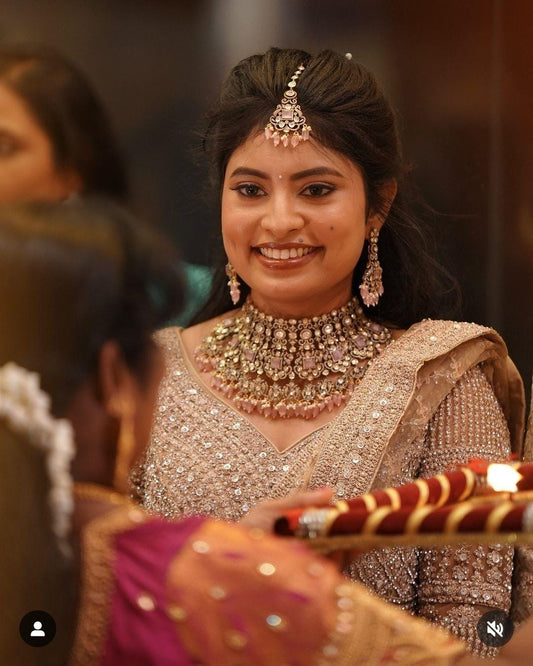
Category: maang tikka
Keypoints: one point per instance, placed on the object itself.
(233, 283)
(288, 124)
(371, 287)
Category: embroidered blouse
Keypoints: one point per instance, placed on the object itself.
(428, 401)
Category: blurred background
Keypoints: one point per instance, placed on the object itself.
(459, 73)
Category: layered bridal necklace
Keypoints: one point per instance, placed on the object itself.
(283, 368)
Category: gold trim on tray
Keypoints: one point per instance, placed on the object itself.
(427, 540)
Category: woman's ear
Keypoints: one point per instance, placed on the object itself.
(386, 195)
(115, 382)
(71, 182)
(119, 399)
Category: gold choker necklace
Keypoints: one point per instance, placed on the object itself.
(291, 367)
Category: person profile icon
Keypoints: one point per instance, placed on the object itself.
(37, 630)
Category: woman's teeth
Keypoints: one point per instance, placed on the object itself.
(292, 253)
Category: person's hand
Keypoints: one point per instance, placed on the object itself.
(263, 515)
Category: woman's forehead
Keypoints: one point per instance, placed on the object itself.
(257, 153)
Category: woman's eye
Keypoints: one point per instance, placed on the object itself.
(249, 190)
(7, 145)
(318, 190)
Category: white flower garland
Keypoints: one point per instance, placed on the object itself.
(26, 410)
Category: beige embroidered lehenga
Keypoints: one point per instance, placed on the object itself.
(442, 393)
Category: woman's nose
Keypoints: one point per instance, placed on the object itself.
(282, 216)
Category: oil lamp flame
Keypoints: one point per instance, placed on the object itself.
(503, 478)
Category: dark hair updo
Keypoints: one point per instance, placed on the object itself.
(348, 113)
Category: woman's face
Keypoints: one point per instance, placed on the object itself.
(294, 222)
(27, 169)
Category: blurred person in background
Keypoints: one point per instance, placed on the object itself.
(56, 141)
(55, 136)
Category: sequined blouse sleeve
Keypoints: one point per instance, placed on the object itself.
(458, 585)
(239, 597)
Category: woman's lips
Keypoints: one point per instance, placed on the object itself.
(285, 253)
(284, 257)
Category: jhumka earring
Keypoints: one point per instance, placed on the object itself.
(233, 283)
(125, 445)
(371, 288)
(288, 123)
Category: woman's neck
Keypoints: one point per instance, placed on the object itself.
(304, 309)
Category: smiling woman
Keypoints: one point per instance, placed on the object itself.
(324, 373)
(295, 238)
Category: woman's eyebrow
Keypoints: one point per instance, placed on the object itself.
(316, 171)
(248, 171)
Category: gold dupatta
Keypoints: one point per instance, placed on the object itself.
(402, 390)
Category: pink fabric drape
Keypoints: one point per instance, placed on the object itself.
(140, 637)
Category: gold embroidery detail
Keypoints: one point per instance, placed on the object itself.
(97, 584)
(146, 602)
(374, 519)
(266, 569)
(177, 613)
(445, 489)
(423, 490)
(470, 481)
(455, 516)
(394, 497)
(497, 515)
(416, 518)
(236, 640)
